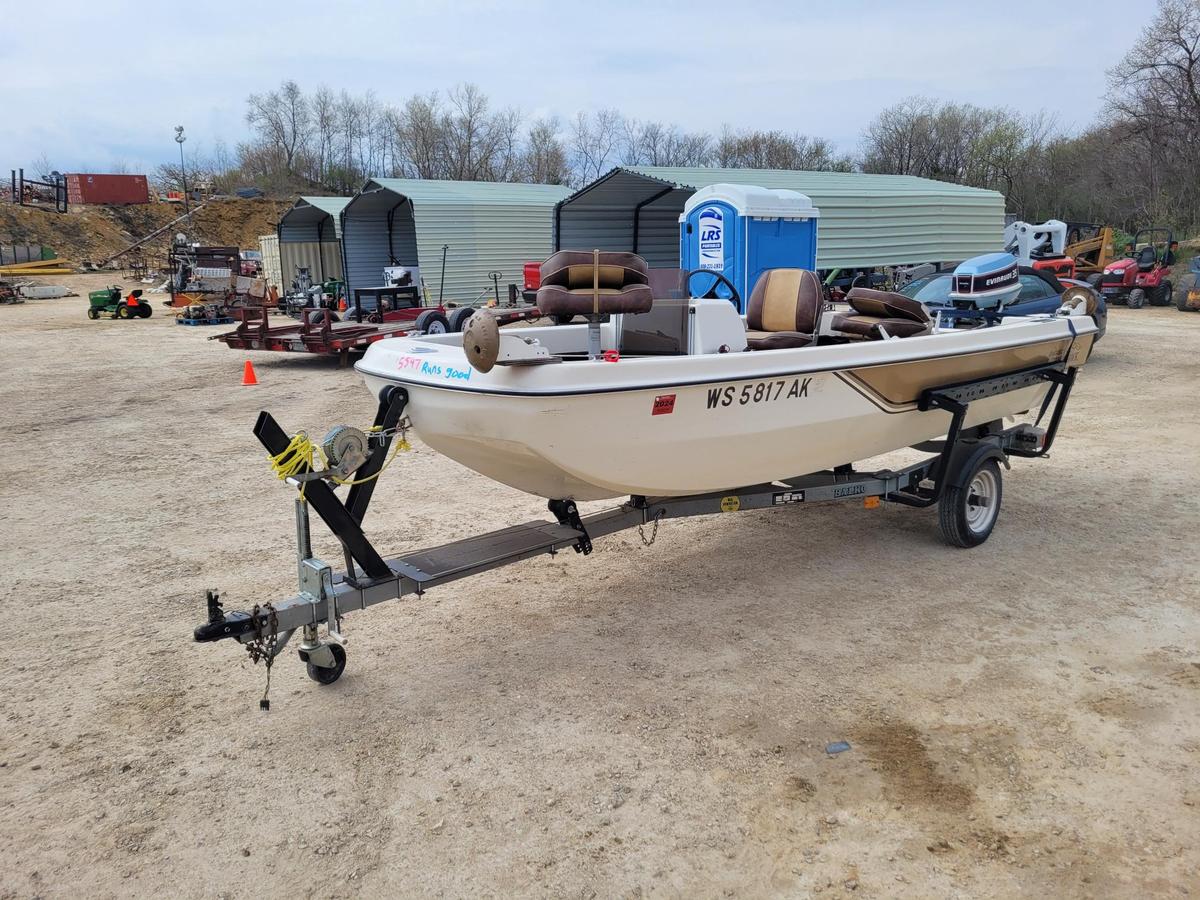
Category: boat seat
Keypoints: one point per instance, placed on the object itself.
(784, 310)
(592, 283)
(880, 314)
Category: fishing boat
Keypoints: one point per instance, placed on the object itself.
(682, 406)
(657, 393)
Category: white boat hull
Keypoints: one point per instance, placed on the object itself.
(717, 422)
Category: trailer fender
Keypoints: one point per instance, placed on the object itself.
(969, 456)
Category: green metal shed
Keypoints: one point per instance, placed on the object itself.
(866, 220)
(485, 226)
(310, 235)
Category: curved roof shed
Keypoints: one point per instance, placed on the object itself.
(485, 226)
(866, 220)
(310, 235)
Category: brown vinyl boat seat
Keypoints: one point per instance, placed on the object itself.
(880, 314)
(784, 310)
(592, 283)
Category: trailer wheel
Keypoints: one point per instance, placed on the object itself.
(967, 513)
(94, 313)
(432, 322)
(323, 675)
(123, 311)
(317, 316)
(1136, 299)
(458, 318)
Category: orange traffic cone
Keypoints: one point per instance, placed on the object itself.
(248, 376)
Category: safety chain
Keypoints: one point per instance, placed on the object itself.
(400, 429)
(264, 645)
(654, 531)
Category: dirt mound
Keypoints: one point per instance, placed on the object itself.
(96, 233)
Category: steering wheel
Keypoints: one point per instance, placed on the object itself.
(718, 278)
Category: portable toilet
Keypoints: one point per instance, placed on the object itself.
(741, 230)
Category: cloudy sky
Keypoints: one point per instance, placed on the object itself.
(107, 81)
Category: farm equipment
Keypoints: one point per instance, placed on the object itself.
(108, 303)
(197, 271)
(1041, 247)
(9, 294)
(251, 263)
(1144, 275)
(1091, 253)
(1187, 295)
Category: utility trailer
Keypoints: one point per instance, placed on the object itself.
(961, 476)
(320, 331)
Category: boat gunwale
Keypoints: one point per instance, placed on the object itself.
(395, 378)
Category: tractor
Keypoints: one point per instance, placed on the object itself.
(110, 304)
(1145, 272)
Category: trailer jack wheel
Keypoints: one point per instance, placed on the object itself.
(967, 512)
(327, 674)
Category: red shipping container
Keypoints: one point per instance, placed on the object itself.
(107, 189)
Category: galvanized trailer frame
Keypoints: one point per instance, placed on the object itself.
(324, 597)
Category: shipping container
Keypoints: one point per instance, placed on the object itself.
(113, 190)
(272, 270)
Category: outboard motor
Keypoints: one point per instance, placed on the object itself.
(986, 282)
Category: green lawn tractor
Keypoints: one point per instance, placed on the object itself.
(110, 304)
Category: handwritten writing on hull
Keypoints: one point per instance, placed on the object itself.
(425, 367)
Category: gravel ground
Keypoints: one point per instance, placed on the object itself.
(644, 722)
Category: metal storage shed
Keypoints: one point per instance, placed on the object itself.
(488, 227)
(866, 220)
(310, 234)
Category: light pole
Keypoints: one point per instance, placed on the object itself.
(180, 137)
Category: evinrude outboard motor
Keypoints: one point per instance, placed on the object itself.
(988, 282)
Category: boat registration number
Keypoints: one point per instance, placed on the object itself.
(758, 392)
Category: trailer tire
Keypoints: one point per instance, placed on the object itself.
(323, 675)
(432, 322)
(317, 316)
(967, 524)
(458, 318)
(1136, 299)
(563, 319)
(94, 313)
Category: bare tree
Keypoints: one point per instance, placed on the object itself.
(594, 143)
(280, 119)
(656, 144)
(545, 159)
(777, 150)
(42, 167)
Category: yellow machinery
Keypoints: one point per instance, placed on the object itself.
(1092, 254)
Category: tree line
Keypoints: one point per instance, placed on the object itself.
(1138, 164)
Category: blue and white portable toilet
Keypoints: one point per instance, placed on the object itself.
(741, 230)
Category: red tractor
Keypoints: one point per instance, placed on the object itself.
(1145, 271)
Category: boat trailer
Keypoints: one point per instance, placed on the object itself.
(961, 475)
